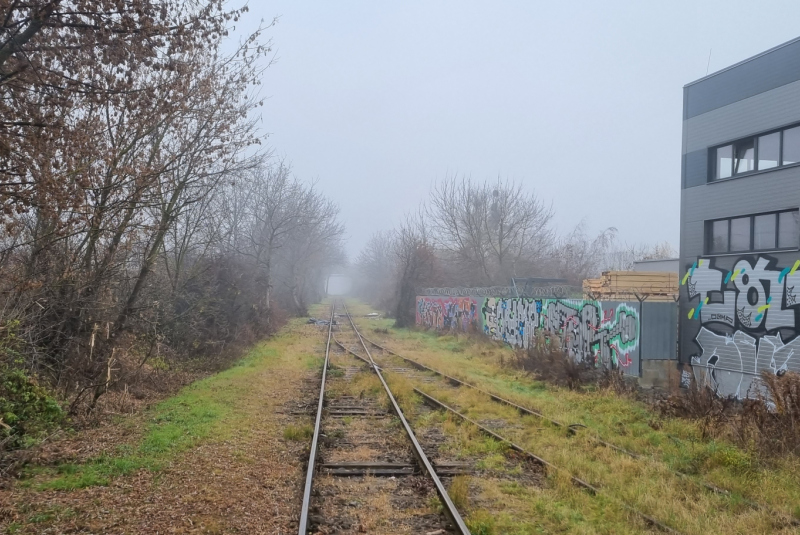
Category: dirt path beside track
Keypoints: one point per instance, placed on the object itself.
(239, 475)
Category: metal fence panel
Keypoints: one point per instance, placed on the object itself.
(659, 331)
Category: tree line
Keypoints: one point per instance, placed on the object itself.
(141, 218)
(482, 233)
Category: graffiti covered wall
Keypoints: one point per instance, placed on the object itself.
(448, 313)
(606, 334)
(738, 319)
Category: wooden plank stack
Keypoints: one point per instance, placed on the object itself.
(632, 285)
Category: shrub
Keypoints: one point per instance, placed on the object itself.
(702, 404)
(771, 420)
(768, 421)
(547, 360)
(27, 410)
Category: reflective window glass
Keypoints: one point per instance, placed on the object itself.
(719, 237)
(724, 162)
(740, 234)
(788, 233)
(764, 231)
(791, 146)
(744, 156)
(769, 151)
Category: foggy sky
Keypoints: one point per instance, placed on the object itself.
(580, 100)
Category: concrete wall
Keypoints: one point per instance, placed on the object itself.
(448, 313)
(613, 334)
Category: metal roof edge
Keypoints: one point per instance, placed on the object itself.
(656, 260)
(752, 58)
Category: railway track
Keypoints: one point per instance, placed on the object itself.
(411, 369)
(384, 357)
(359, 356)
(364, 474)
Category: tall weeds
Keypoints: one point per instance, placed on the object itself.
(767, 422)
(702, 404)
(771, 420)
(545, 358)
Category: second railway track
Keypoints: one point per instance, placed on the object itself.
(467, 403)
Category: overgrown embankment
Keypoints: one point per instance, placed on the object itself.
(214, 458)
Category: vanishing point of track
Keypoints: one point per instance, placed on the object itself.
(424, 463)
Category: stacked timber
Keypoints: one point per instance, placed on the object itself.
(632, 285)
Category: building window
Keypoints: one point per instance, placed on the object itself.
(764, 231)
(769, 151)
(791, 146)
(756, 153)
(759, 232)
(788, 230)
(719, 237)
(724, 162)
(744, 160)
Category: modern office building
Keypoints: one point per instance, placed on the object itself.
(740, 237)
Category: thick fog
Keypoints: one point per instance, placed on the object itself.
(581, 100)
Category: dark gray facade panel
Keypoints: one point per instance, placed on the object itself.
(659, 331)
(774, 69)
(695, 168)
(692, 239)
(764, 192)
(773, 190)
(765, 111)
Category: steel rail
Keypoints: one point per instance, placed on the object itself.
(525, 410)
(356, 355)
(706, 485)
(547, 464)
(449, 507)
(312, 458)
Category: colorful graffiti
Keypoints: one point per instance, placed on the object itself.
(605, 336)
(743, 319)
(448, 313)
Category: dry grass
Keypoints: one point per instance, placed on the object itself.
(459, 492)
(547, 360)
(771, 422)
(667, 443)
(703, 406)
(766, 425)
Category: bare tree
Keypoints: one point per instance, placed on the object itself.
(577, 256)
(489, 228)
(125, 129)
(415, 263)
(375, 269)
(314, 244)
(621, 257)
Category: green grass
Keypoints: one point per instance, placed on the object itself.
(199, 411)
(298, 432)
(481, 522)
(459, 492)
